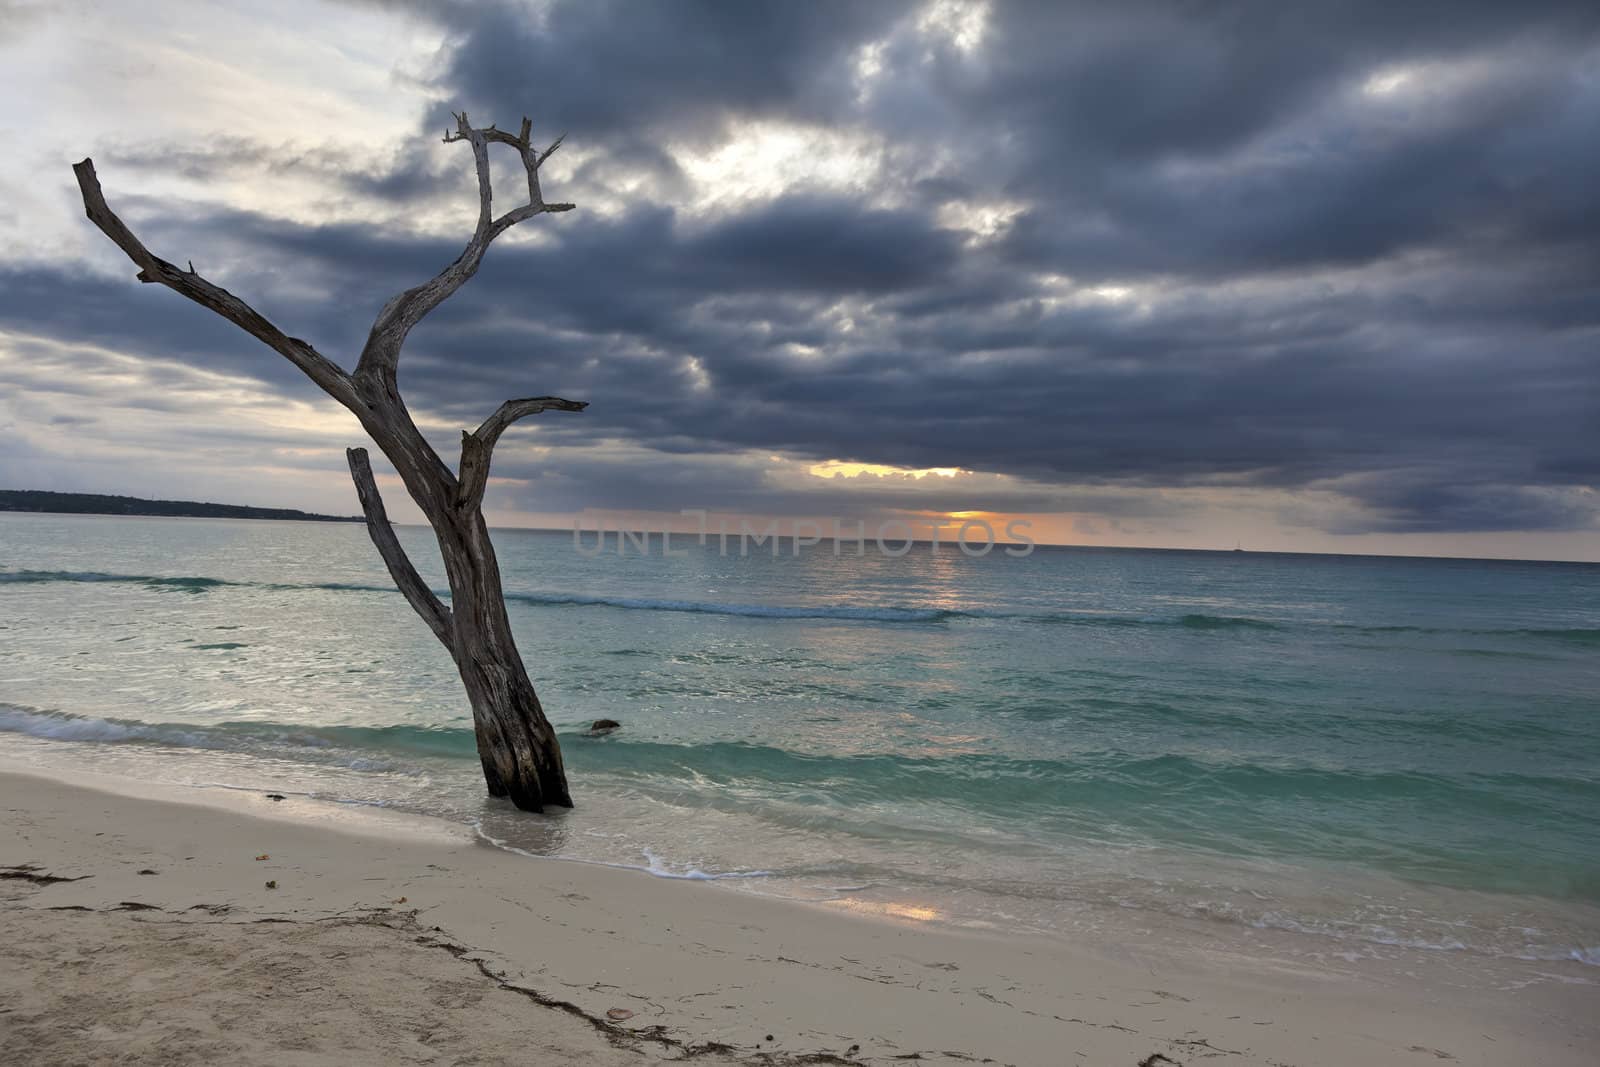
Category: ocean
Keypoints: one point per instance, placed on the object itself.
(1357, 755)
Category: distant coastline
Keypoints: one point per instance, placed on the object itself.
(39, 500)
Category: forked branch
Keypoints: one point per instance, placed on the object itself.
(152, 268)
(381, 355)
(405, 576)
(477, 447)
(517, 744)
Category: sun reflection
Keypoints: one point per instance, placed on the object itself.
(894, 909)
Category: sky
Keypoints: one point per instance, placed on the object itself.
(1187, 274)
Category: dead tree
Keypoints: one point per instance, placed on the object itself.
(520, 754)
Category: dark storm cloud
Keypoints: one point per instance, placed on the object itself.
(120, 314)
(816, 246)
(1409, 502)
(1482, 176)
(1389, 295)
(623, 72)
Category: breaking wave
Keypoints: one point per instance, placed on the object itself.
(871, 613)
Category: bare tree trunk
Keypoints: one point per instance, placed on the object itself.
(516, 744)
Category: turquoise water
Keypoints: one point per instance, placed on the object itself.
(1371, 752)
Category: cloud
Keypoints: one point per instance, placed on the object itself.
(623, 72)
(1410, 502)
(1085, 253)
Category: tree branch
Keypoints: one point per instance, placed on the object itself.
(152, 268)
(381, 355)
(477, 447)
(417, 593)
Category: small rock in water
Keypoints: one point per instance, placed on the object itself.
(602, 727)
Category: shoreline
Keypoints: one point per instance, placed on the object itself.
(698, 965)
(1297, 914)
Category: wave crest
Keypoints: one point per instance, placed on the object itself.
(868, 613)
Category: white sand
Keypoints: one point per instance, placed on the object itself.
(399, 940)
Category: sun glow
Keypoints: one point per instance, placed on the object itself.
(963, 25)
(760, 160)
(837, 468)
(1386, 82)
(981, 220)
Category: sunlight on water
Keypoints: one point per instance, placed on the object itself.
(1367, 753)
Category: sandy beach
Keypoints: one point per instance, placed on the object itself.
(207, 926)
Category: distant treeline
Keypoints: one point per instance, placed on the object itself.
(101, 504)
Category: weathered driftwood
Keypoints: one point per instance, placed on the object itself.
(521, 757)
